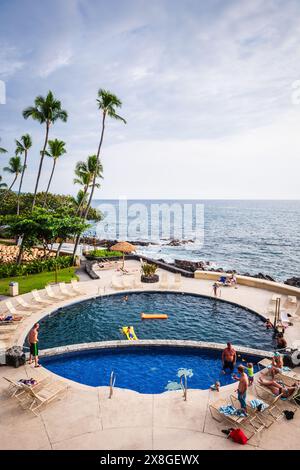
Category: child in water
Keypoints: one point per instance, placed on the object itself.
(250, 372)
(129, 332)
(216, 386)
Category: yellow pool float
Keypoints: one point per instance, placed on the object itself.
(154, 316)
(126, 333)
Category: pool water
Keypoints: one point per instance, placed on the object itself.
(144, 369)
(191, 317)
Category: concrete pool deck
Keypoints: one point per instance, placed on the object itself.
(87, 419)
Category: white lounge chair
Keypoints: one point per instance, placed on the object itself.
(64, 290)
(164, 284)
(13, 311)
(5, 328)
(52, 295)
(284, 319)
(25, 304)
(76, 288)
(117, 285)
(38, 299)
(177, 281)
(14, 387)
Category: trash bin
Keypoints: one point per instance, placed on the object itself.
(15, 356)
(13, 289)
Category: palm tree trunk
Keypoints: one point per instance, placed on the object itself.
(85, 213)
(7, 191)
(21, 182)
(51, 176)
(41, 164)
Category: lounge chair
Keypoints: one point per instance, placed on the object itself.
(117, 285)
(25, 304)
(76, 288)
(64, 290)
(7, 327)
(164, 284)
(52, 295)
(14, 387)
(38, 299)
(267, 414)
(284, 319)
(34, 399)
(224, 410)
(12, 310)
(177, 281)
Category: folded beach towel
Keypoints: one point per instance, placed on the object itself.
(257, 403)
(229, 410)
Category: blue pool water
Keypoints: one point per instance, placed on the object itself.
(191, 317)
(145, 370)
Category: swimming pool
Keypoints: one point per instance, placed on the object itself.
(144, 369)
(191, 317)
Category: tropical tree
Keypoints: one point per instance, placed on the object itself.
(107, 104)
(2, 150)
(23, 145)
(85, 172)
(56, 150)
(15, 168)
(2, 185)
(46, 111)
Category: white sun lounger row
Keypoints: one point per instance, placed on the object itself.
(120, 283)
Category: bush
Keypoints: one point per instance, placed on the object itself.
(104, 254)
(35, 267)
(149, 269)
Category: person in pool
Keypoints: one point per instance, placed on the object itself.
(228, 358)
(129, 332)
(268, 324)
(281, 341)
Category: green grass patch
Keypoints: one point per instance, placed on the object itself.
(105, 253)
(37, 281)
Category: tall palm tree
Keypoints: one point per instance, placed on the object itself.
(15, 168)
(107, 103)
(84, 173)
(23, 145)
(46, 111)
(56, 150)
(2, 185)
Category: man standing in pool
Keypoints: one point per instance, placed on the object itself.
(228, 358)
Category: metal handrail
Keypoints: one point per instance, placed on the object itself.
(112, 382)
(184, 386)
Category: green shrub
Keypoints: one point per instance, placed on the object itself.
(105, 253)
(35, 267)
(148, 269)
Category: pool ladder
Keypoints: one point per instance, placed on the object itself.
(112, 382)
(183, 383)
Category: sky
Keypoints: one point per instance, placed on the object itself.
(210, 93)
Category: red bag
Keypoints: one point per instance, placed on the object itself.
(237, 435)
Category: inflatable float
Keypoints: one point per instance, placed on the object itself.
(154, 316)
(126, 333)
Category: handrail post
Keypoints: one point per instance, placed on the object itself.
(112, 384)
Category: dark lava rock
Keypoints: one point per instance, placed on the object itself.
(190, 265)
(293, 281)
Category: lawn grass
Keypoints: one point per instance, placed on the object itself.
(36, 281)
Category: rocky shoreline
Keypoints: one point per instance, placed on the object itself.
(187, 265)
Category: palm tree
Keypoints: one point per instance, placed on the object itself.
(46, 111)
(15, 168)
(84, 173)
(80, 200)
(107, 103)
(23, 145)
(2, 185)
(56, 150)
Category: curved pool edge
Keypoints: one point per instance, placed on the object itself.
(73, 348)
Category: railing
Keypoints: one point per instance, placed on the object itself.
(183, 383)
(112, 383)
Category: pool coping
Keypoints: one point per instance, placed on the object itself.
(94, 346)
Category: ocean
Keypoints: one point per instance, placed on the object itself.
(247, 236)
